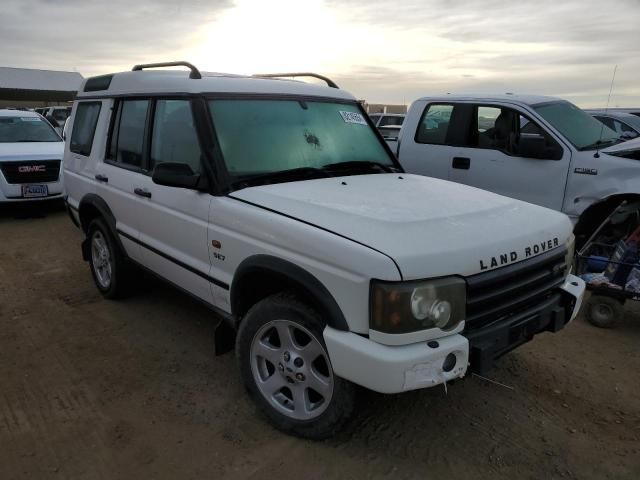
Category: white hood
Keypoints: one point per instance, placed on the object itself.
(430, 227)
(31, 151)
(628, 146)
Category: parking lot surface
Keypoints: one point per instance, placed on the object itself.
(97, 389)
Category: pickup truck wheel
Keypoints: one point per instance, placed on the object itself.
(108, 263)
(286, 369)
(603, 311)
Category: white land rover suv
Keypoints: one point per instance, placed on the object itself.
(279, 205)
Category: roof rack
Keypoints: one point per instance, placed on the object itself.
(195, 73)
(330, 82)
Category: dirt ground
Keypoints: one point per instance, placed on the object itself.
(91, 388)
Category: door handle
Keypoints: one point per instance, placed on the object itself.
(463, 163)
(102, 178)
(142, 192)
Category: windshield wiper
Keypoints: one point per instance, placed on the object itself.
(360, 166)
(302, 173)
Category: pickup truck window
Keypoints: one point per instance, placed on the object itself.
(266, 136)
(581, 129)
(489, 134)
(434, 125)
(505, 129)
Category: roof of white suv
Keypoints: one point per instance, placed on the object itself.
(180, 82)
(505, 97)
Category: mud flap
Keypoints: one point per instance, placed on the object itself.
(86, 249)
(224, 338)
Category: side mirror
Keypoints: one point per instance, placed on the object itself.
(178, 175)
(535, 146)
(629, 135)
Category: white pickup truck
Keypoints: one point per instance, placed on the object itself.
(542, 150)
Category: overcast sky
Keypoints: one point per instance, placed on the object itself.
(382, 51)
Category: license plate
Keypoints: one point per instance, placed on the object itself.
(32, 191)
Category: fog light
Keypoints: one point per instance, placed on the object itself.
(449, 362)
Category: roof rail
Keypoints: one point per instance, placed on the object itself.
(330, 82)
(195, 73)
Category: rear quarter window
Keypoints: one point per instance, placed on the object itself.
(434, 125)
(84, 127)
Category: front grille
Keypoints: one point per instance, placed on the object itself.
(33, 171)
(500, 293)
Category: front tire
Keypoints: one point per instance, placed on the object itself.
(109, 265)
(286, 369)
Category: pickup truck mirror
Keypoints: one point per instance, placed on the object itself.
(178, 175)
(535, 146)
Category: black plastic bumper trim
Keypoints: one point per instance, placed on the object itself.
(490, 342)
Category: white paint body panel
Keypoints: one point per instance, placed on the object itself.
(394, 369)
(551, 183)
(431, 228)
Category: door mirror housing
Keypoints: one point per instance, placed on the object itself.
(535, 146)
(179, 175)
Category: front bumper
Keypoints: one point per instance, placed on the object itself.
(490, 342)
(394, 369)
(12, 192)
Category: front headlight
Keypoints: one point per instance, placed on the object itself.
(402, 307)
(571, 250)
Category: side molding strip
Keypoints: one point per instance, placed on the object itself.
(207, 277)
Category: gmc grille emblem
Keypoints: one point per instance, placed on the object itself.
(32, 168)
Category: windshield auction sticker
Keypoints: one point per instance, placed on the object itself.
(353, 117)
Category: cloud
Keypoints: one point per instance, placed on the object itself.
(97, 36)
(382, 51)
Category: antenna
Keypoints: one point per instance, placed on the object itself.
(597, 155)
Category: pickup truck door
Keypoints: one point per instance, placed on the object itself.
(496, 157)
(431, 138)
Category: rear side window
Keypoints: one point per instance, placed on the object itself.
(434, 125)
(389, 121)
(127, 137)
(84, 127)
(174, 138)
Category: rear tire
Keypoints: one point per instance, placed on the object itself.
(109, 265)
(286, 369)
(602, 311)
